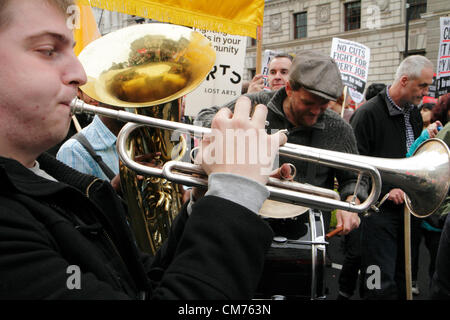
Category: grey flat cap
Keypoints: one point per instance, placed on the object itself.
(317, 73)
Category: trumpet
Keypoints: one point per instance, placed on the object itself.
(424, 177)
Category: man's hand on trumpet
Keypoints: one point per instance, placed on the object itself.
(239, 145)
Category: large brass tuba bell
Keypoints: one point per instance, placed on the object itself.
(147, 69)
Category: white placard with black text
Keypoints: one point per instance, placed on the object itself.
(224, 82)
(353, 60)
(443, 62)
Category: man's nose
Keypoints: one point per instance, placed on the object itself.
(316, 109)
(74, 72)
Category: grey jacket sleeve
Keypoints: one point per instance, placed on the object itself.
(223, 185)
(205, 116)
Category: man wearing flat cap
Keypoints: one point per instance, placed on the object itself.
(301, 107)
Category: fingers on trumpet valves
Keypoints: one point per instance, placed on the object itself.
(220, 120)
(286, 172)
(242, 116)
(242, 111)
(259, 116)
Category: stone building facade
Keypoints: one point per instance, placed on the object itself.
(109, 21)
(382, 27)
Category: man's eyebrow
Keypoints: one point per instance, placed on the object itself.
(56, 36)
(308, 101)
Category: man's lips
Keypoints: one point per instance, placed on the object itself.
(277, 85)
(67, 102)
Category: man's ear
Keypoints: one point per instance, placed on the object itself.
(404, 80)
(288, 89)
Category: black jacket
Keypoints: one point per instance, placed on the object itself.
(380, 132)
(49, 228)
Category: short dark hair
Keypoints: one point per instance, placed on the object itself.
(440, 110)
(295, 85)
(373, 90)
(60, 4)
(428, 106)
(284, 55)
(281, 55)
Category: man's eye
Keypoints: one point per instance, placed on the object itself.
(49, 52)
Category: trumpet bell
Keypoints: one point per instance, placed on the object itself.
(146, 64)
(427, 181)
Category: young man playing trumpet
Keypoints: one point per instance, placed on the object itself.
(63, 234)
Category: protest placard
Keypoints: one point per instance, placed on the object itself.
(443, 62)
(432, 89)
(353, 60)
(224, 82)
(268, 55)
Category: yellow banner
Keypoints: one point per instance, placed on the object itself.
(238, 17)
(87, 30)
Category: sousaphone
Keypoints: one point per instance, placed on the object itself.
(147, 69)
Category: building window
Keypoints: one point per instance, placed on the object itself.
(416, 8)
(253, 42)
(421, 52)
(352, 15)
(300, 25)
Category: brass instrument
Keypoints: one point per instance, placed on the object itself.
(424, 177)
(147, 69)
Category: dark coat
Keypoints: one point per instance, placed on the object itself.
(46, 227)
(379, 133)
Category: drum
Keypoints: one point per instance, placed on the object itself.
(295, 263)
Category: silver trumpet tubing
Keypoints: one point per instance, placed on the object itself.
(424, 177)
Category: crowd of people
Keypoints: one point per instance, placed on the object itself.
(65, 214)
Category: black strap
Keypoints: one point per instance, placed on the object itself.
(85, 143)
